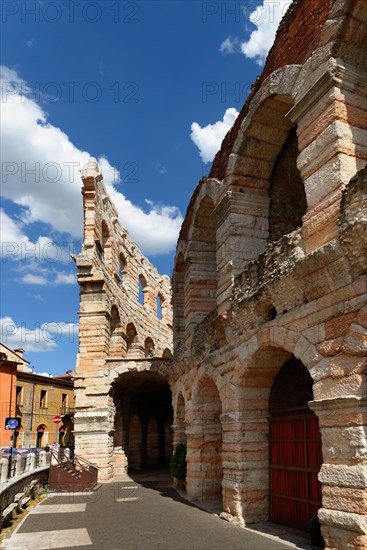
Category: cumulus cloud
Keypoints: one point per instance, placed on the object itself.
(208, 139)
(43, 338)
(266, 18)
(15, 243)
(40, 172)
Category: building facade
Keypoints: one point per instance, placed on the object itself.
(269, 301)
(36, 400)
(123, 402)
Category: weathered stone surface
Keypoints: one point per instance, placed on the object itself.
(270, 275)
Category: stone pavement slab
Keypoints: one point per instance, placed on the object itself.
(131, 515)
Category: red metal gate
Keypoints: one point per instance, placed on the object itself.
(295, 448)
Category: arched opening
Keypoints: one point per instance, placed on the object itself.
(295, 448)
(122, 268)
(131, 340)
(143, 402)
(142, 283)
(149, 347)
(167, 353)
(204, 447)
(40, 438)
(159, 306)
(288, 202)
(117, 340)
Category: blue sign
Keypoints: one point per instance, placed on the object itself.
(12, 423)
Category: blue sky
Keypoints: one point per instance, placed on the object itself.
(149, 88)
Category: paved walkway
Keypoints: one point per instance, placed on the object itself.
(143, 513)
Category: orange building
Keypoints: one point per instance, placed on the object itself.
(10, 361)
(36, 400)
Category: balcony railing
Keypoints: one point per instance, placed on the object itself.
(66, 409)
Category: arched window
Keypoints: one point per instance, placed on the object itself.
(160, 302)
(149, 347)
(142, 285)
(40, 435)
(122, 268)
(288, 201)
(167, 353)
(117, 341)
(131, 336)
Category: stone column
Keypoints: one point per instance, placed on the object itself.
(332, 141)
(344, 471)
(246, 465)
(242, 232)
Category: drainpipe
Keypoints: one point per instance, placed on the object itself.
(32, 409)
(11, 389)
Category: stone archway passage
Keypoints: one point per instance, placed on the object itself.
(295, 448)
(143, 419)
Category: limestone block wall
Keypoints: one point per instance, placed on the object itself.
(115, 322)
(283, 209)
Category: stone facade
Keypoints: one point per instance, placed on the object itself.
(125, 330)
(268, 295)
(270, 276)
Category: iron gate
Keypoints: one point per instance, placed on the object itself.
(295, 448)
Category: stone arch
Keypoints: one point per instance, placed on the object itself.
(117, 347)
(143, 414)
(204, 441)
(41, 435)
(122, 269)
(295, 455)
(143, 287)
(287, 340)
(263, 358)
(200, 287)
(263, 133)
(287, 195)
(133, 347)
(149, 347)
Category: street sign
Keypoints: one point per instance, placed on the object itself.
(11, 423)
(57, 419)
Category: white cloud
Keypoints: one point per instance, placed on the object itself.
(230, 45)
(32, 279)
(14, 242)
(65, 279)
(60, 279)
(209, 138)
(160, 168)
(38, 297)
(266, 18)
(43, 338)
(40, 172)
(29, 43)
